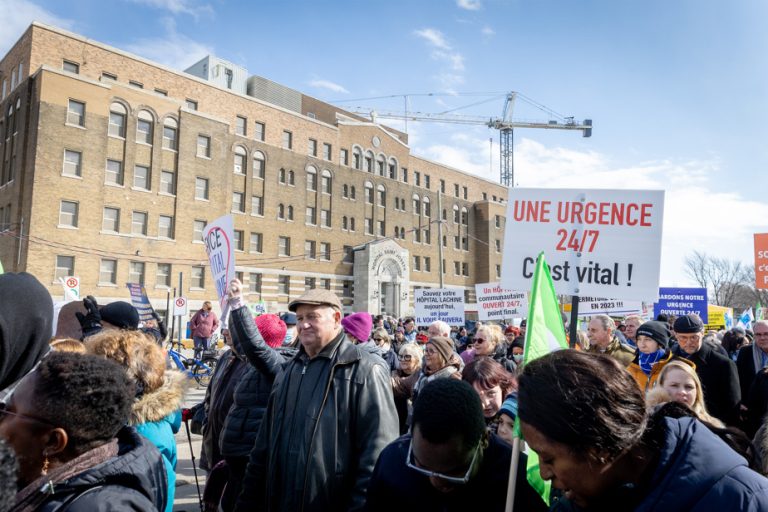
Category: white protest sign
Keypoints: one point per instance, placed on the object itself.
(180, 306)
(220, 245)
(604, 243)
(446, 304)
(71, 286)
(497, 303)
(589, 306)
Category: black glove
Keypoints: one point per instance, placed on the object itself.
(90, 322)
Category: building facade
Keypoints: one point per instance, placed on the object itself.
(111, 166)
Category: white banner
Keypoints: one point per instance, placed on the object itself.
(446, 304)
(497, 303)
(220, 245)
(596, 242)
(589, 306)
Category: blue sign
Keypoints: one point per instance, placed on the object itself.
(681, 302)
(140, 301)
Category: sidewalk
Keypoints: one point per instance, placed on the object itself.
(186, 491)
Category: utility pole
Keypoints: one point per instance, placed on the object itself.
(440, 235)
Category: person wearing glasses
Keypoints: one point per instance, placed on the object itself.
(381, 339)
(488, 342)
(449, 462)
(439, 363)
(404, 379)
(66, 423)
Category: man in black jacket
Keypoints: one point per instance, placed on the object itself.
(329, 415)
(717, 372)
(753, 358)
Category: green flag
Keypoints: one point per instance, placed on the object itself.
(544, 334)
(1, 267)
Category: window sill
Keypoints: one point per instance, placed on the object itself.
(139, 189)
(75, 176)
(116, 185)
(75, 126)
(65, 226)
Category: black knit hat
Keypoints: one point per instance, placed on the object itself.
(688, 324)
(657, 331)
(120, 314)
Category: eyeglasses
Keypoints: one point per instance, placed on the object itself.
(406, 357)
(5, 412)
(453, 479)
(378, 339)
(480, 340)
(430, 351)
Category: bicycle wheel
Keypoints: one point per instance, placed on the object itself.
(203, 372)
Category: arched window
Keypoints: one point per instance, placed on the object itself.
(427, 207)
(240, 160)
(416, 204)
(311, 179)
(368, 192)
(345, 191)
(402, 233)
(464, 216)
(290, 212)
(145, 127)
(344, 223)
(369, 161)
(352, 192)
(392, 168)
(445, 214)
(170, 134)
(117, 116)
(357, 158)
(258, 165)
(291, 177)
(456, 215)
(381, 164)
(281, 211)
(351, 223)
(326, 182)
(382, 195)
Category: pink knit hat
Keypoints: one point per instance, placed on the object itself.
(358, 325)
(272, 329)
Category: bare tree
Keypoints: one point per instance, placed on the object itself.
(724, 279)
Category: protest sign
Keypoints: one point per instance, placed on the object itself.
(140, 301)
(446, 304)
(761, 261)
(219, 245)
(719, 317)
(496, 303)
(257, 308)
(604, 243)
(589, 306)
(681, 302)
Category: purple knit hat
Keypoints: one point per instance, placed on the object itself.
(358, 325)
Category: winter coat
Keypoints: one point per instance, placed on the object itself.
(760, 444)
(452, 370)
(203, 324)
(647, 382)
(622, 352)
(324, 435)
(745, 364)
(251, 393)
(134, 480)
(402, 390)
(756, 402)
(720, 381)
(157, 416)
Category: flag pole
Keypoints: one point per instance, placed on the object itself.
(513, 474)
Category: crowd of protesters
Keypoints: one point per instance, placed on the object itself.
(313, 410)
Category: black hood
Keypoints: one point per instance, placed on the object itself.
(26, 323)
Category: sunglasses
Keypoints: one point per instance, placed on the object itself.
(453, 479)
(406, 357)
(480, 340)
(378, 339)
(4, 412)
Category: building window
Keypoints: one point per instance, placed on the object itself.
(457, 215)
(141, 177)
(457, 268)
(287, 139)
(465, 192)
(368, 192)
(417, 178)
(368, 161)
(163, 275)
(72, 163)
(284, 285)
(456, 242)
(442, 186)
(68, 211)
(497, 221)
(427, 236)
(352, 224)
(165, 227)
(325, 283)
(241, 126)
(65, 267)
(498, 245)
(161, 92)
(427, 264)
(348, 254)
(168, 182)
(343, 157)
(71, 67)
(284, 246)
(114, 172)
(197, 230)
(382, 196)
(326, 182)
(416, 204)
(237, 202)
(392, 169)
(309, 283)
(117, 116)
(368, 226)
(427, 207)
(417, 235)
(325, 218)
(352, 192)
(456, 190)
(191, 105)
(346, 289)
(380, 165)
(426, 181)
(281, 211)
(464, 216)
(344, 224)
(498, 271)
(254, 282)
(136, 272)
(311, 216)
(417, 264)
(108, 272)
(312, 179)
(204, 146)
(170, 134)
(76, 113)
(258, 133)
(357, 158)
(405, 175)
(312, 147)
(144, 127)
(239, 241)
(465, 243)
(382, 227)
(345, 191)
(198, 277)
(139, 223)
(485, 196)
(239, 160)
(327, 151)
(201, 188)
(258, 165)
(325, 251)
(110, 220)
(465, 269)
(256, 244)
(134, 83)
(310, 249)
(108, 77)
(257, 205)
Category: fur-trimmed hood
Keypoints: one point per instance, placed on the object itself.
(161, 402)
(656, 397)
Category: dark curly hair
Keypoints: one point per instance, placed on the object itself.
(88, 396)
(8, 469)
(586, 401)
(446, 408)
(488, 373)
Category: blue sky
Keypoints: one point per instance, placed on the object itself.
(677, 89)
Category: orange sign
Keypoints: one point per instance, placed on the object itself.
(761, 261)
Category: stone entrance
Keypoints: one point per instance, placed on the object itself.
(382, 278)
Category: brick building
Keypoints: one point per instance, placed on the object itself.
(111, 165)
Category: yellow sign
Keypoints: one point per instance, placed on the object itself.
(719, 317)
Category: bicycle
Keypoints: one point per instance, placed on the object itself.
(199, 368)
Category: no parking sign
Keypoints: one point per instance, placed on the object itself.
(180, 306)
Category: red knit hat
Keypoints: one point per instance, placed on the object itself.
(272, 329)
(512, 329)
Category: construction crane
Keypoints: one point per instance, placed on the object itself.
(504, 124)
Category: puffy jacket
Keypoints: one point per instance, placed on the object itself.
(646, 382)
(350, 419)
(202, 325)
(134, 480)
(252, 392)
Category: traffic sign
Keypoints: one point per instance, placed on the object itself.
(180, 306)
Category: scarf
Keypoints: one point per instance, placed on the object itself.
(648, 360)
(33, 495)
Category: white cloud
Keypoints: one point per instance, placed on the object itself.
(469, 5)
(190, 7)
(487, 31)
(173, 50)
(433, 37)
(17, 15)
(327, 84)
(443, 52)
